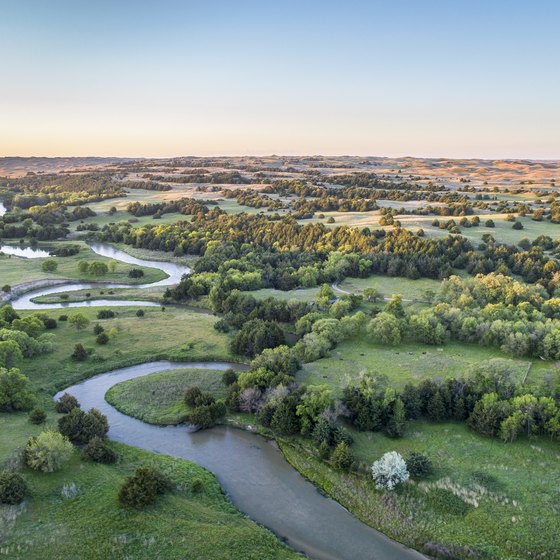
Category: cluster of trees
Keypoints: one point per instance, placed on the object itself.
(186, 206)
(488, 400)
(254, 199)
(205, 409)
(203, 176)
(23, 337)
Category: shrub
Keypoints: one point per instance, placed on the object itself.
(79, 321)
(66, 403)
(141, 490)
(191, 395)
(229, 377)
(389, 471)
(419, 465)
(105, 314)
(98, 329)
(140, 313)
(50, 265)
(63, 318)
(80, 353)
(135, 273)
(517, 225)
(324, 450)
(81, 427)
(205, 398)
(97, 450)
(197, 485)
(15, 393)
(48, 452)
(37, 416)
(222, 326)
(103, 338)
(6, 288)
(50, 323)
(342, 457)
(13, 488)
(201, 416)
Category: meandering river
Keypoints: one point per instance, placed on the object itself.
(174, 273)
(252, 471)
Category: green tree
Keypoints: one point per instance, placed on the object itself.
(79, 321)
(15, 391)
(385, 328)
(50, 265)
(97, 268)
(342, 457)
(10, 354)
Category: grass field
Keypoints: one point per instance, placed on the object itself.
(158, 398)
(16, 270)
(514, 489)
(177, 333)
(138, 294)
(388, 285)
(412, 362)
(92, 525)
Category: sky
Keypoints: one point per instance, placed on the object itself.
(162, 78)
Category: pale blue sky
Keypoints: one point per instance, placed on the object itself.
(464, 78)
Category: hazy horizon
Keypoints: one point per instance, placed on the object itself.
(462, 80)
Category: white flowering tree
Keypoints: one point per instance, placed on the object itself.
(389, 471)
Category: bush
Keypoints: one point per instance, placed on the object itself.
(37, 416)
(201, 416)
(6, 288)
(102, 338)
(419, 465)
(197, 485)
(15, 392)
(140, 313)
(105, 314)
(97, 450)
(229, 377)
(221, 326)
(80, 353)
(98, 329)
(517, 225)
(48, 452)
(141, 490)
(81, 427)
(191, 395)
(66, 403)
(63, 318)
(135, 273)
(13, 488)
(50, 265)
(50, 323)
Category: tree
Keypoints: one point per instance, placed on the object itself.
(50, 265)
(371, 295)
(342, 457)
(395, 306)
(385, 328)
(80, 353)
(10, 354)
(435, 408)
(141, 490)
(256, 335)
(98, 451)
(48, 452)
(135, 273)
(285, 420)
(80, 427)
(83, 267)
(397, 421)
(15, 391)
(97, 268)
(229, 377)
(13, 488)
(418, 465)
(102, 338)
(79, 321)
(488, 414)
(191, 396)
(389, 471)
(37, 416)
(66, 403)
(140, 313)
(512, 426)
